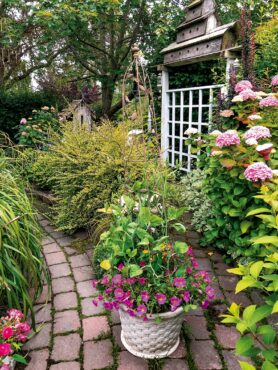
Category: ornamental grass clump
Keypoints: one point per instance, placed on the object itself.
(147, 273)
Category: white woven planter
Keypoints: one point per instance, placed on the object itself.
(9, 361)
(147, 339)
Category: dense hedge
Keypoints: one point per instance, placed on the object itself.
(15, 105)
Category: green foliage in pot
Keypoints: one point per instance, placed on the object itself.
(255, 323)
(101, 252)
(21, 263)
(196, 200)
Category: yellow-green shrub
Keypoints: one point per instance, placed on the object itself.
(84, 169)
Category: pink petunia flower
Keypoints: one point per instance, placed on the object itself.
(145, 296)
(141, 310)
(142, 281)
(270, 101)
(210, 293)
(175, 302)
(258, 172)
(105, 280)
(179, 282)
(186, 296)
(243, 85)
(205, 304)
(121, 266)
(161, 298)
(227, 138)
(117, 279)
(108, 306)
(119, 294)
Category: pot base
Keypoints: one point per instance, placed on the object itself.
(149, 356)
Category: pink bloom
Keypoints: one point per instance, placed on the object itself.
(5, 349)
(141, 310)
(7, 332)
(257, 132)
(128, 303)
(145, 296)
(226, 113)
(188, 270)
(131, 280)
(131, 313)
(274, 81)
(270, 101)
(108, 306)
(121, 266)
(109, 290)
(21, 338)
(116, 305)
(251, 141)
(23, 121)
(119, 293)
(179, 282)
(94, 283)
(142, 264)
(210, 293)
(161, 298)
(24, 327)
(175, 301)
(117, 279)
(243, 85)
(227, 138)
(142, 281)
(5, 367)
(95, 302)
(186, 296)
(254, 117)
(194, 263)
(258, 172)
(190, 251)
(100, 297)
(13, 313)
(205, 304)
(105, 280)
(248, 94)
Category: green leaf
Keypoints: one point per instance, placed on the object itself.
(19, 358)
(156, 220)
(244, 226)
(180, 247)
(243, 346)
(256, 268)
(245, 366)
(275, 307)
(268, 366)
(246, 282)
(135, 270)
(179, 227)
(266, 240)
(257, 211)
(268, 333)
(248, 312)
(144, 215)
(260, 313)
(234, 212)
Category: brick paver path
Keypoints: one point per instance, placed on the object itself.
(76, 335)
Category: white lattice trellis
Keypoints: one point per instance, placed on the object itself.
(183, 109)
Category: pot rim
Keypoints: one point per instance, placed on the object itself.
(164, 315)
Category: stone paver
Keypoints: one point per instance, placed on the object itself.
(228, 282)
(227, 336)
(117, 336)
(59, 270)
(197, 327)
(62, 285)
(88, 309)
(85, 289)
(94, 327)
(64, 301)
(204, 264)
(40, 340)
(43, 313)
(83, 273)
(38, 360)
(45, 295)
(205, 355)
(175, 365)
(98, 355)
(64, 241)
(80, 260)
(66, 321)
(232, 360)
(239, 298)
(181, 351)
(70, 251)
(66, 347)
(51, 248)
(55, 258)
(66, 366)
(129, 362)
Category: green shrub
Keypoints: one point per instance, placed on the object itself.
(196, 200)
(16, 105)
(21, 262)
(85, 169)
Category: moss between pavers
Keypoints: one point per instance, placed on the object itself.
(186, 337)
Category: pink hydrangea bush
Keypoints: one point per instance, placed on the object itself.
(13, 333)
(243, 85)
(179, 284)
(258, 171)
(257, 133)
(274, 81)
(227, 138)
(270, 101)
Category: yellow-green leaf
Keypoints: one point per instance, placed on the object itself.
(244, 226)
(245, 366)
(266, 240)
(245, 283)
(275, 307)
(256, 268)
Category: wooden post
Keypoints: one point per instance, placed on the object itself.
(164, 112)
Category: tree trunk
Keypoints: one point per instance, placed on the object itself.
(107, 92)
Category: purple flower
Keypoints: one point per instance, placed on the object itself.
(100, 297)
(142, 281)
(257, 133)
(141, 310)
(274, 81)
(227, 138)
(119, 294)
(145, 296)
(94, 283)
(95, 302)
(116, 305)
(109, 290)
(270, 101)
(108, 305)
(121, 266)
(186, 296)
(131, 313)
(210, 293)
(142, 264)
(179, 282)
(117, 279)
(188, 270)
(205, 304)
(258, 172)
(190, 251)
(194, 263)
(243, 85)
(161, 298)
(131, 281)
(175, 301)
(105, 280)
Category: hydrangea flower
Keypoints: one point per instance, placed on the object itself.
(257, 132)
(254, 117)
(215, 133)
(190, 131)
(243, 85)
(258, 172)
(227, 138)
(251, 141)
(226, 113)
(248, 94)
(237, 99)
(274, 81)
(270, 101)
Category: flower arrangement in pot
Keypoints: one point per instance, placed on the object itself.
(150, 279)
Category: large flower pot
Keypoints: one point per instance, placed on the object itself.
(149, 339)
(9, 361)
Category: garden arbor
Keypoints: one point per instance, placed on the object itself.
(200, 37)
